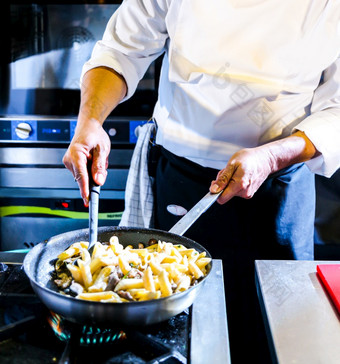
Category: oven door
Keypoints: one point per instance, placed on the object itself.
(27, 221)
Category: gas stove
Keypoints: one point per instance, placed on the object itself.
(29, 333)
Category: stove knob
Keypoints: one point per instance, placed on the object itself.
(23, 130)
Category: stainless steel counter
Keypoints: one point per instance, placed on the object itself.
(303, 326)
(205, 346)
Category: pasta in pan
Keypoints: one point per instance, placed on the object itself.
(117, 274)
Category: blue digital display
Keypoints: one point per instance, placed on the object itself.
(54, 131)
(51, 131)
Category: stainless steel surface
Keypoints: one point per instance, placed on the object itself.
(93, 214)
(53, 156)
(304, 325)
(22, 232)
(193, 214)
(54, 178)
(56, 193)
(209, 310)
(38, 265)
(12, 257)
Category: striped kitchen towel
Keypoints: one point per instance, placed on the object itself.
(138, 210)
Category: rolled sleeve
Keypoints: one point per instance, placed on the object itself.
(322, 127)
(134, 37)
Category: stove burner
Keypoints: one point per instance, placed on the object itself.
(3, 267)
(88, 335)
(134, 345)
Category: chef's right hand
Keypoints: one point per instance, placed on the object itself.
(89, 146)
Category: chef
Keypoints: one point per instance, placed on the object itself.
(249, 102)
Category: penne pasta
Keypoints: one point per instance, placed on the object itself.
(196, 272)
(98, 287)
(202, 262)
(171, 259)
(97, 250)
(124, 265)
(95, 264)
(85, 255)
(148, 281)
(100, 282)
(115, 246)
(115, 273)
(156, 268)
(127, 284)
(144, 295)
(183, 284)
(85, 273)
(76, 273)
(96, 296)
(74, 249)
(164, 283)
(176, 253)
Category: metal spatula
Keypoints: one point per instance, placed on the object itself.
(194, 213)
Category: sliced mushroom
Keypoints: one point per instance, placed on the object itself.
(63, 281)
(126, 295)
(113, 280)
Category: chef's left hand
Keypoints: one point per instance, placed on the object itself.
(248, 168)
(244, 174)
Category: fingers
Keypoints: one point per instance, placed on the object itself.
(225, 180)
(81, 176)
(88, 153)
(234, 182)
(78, 167)
(222, 179)
(238, 186)
(99, 165)
(245, 172)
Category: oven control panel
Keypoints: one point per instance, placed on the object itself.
(55, 130)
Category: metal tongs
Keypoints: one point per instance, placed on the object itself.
(93, 213)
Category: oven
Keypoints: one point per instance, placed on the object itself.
(44, 47)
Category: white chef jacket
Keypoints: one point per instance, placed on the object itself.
(235, 73)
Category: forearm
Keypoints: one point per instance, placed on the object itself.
(101, 91)
(293, 149)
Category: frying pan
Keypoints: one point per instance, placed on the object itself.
(39, 265)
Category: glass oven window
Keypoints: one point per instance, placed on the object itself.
(53, 42)
(47, 47)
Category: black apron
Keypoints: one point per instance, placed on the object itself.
(276, 223)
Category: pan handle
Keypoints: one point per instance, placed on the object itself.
(194, 213)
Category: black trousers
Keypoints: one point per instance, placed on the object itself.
(277, 223)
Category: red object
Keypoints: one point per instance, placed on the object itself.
(330, 277)
(65, 205)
